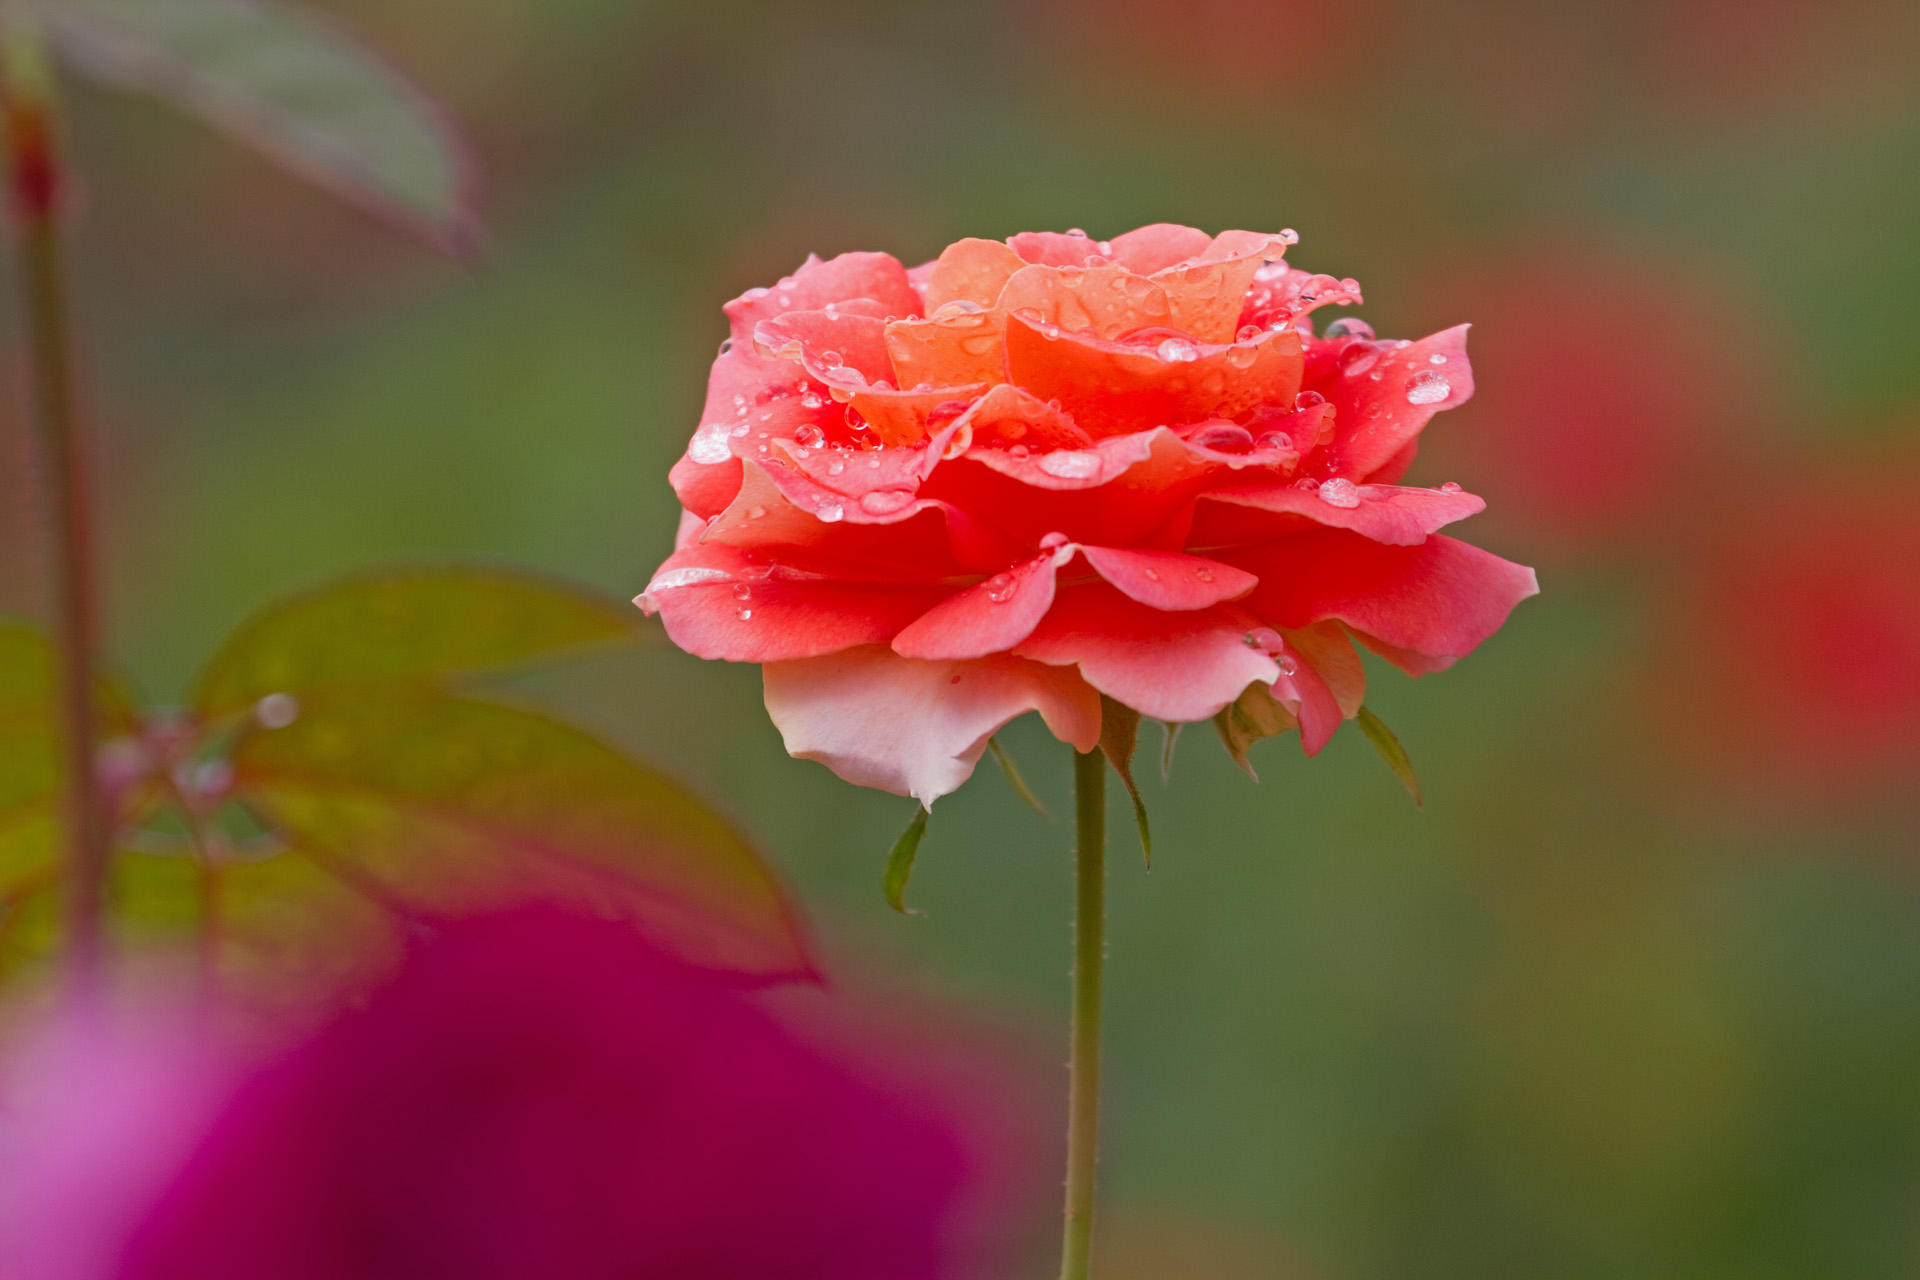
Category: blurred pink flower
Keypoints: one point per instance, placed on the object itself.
(535, 1096)
(1794, 646)
(1609, 387)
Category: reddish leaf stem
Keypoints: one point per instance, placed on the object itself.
(35, 191)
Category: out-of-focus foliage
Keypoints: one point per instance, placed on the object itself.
(332, 735)
(291, 86)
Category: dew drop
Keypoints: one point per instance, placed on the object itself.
(1053, 541)
(726, 345)
(1450, 487)
(1248, 332)
(1289, 236)
(1428, 387)
(980, 343)
(1203, 574)
(1436, 358)
(277, 710)
(1274, 440)
(755, 513)
(835, 467)
(1177, 351)
(1152, 575)
(1241, 357)
(1349, 327)
(832, 360)
(1000, 587)
(1071, 464)
(1287, 665)
(883, 502)
(810, 437)
(1359, 356)
(811, 400)
(1340, 493)
(1265, 639)
(739, 431)
(741, 591)
(1309, 400)
(691, 577)
(1019, 451)
(830, 512)
(709, 444)
(745, 614)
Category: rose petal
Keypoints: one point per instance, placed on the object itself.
(948, 350)
(914, 727)
(877, 276)
(1207, 295)
(989, 617)
(970, 270)
(1172, 666)
(1329, 649)
(1113, 388)
(1279, 294)
(1169, 580)
(1385, 404)
(1105, 302)
(705, 489)
(904, 417)
(1007, 416)
(840, 348)
(1439, 599)
(1304, 691)
(1384, 513)
(718, 602)
(1148, 249)
(1054, 248)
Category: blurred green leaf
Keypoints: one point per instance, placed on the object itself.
(1018, 783)
(290, 85)
(1119, 734)
(1250, 718)
(1388, 745)
(407, 624)
(439, 806)
(893, 881)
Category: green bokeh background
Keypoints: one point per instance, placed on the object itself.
(1581, 1017)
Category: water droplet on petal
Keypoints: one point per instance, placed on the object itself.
(691, 577)
(1265, 639)
(1248, 332)
(835, 467)
(726, 345)
(1000, 587)
(1071, 464)
(1019, 451)
(1053, 541)
(741, 591)
(745, 614)
(1177, 351)
(1349, 327)
(811, 400)
(1428, 387)
(1289, 236)
(1340, 493)
(1451, 487)
(1152, 575)
(709, 445)
(1274, 440)
(1359, 356)
(884, 502)
(830, 511)
(810, 437)
(1203, 574)
(1287, 665)
(1309, 400)
(1436, 358)
(1242, 357)
(832, 360)
(756, 512)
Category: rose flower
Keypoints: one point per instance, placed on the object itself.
(1030, 473)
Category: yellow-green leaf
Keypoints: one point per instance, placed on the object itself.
(287, 83)
(404, 624)
(893, 881)
(1388, 745)
(1249, 719)
(1014, 780)
(1119, 733)
(440, 806)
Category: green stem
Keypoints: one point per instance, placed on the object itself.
(28, 114)
(1089, 955)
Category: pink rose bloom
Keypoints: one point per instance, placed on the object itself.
(1031, 473)
(535, 1097)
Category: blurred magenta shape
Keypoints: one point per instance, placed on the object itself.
(543, 1097)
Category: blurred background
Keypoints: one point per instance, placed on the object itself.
(1638, 992)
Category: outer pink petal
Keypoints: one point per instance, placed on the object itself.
(1439, 599)
(705, 489)
(839, 348)
(717, 602)
(1384, 513)
(989, 617)
(1054, 248)
(1327, 647)
(1172, 666)
(914, 727)
(1169, 580)
(1384, 404)
(970, 270)
(1158, 246)
(1305, 692)
(878, 276)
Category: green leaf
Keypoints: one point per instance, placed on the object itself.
(1119, 732)
(438, 806)
(1018, 783)
(893, 881)
(1390, 750)
(28, 771)
(287, 83)
(415, 624)
(1252, 717)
